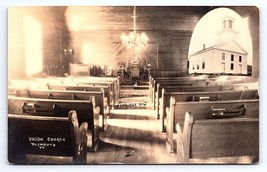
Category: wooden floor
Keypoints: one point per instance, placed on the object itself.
(133, 136)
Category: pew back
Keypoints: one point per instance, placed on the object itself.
(158, 85)
(86, 111)
(202, 97)
(83, 88)
(228, 87)
(50, 136)
(68, 95)
(207, 110)
(217, 138)
(113, 90)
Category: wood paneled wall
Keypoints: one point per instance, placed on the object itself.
(53, 26)
(172, 47)
(168, 27)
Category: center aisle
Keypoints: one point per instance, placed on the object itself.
(133, 136)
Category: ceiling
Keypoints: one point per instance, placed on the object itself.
(119, 18)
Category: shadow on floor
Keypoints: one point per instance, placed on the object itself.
(135, 135)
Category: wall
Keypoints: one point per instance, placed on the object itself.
(254, 30)
(53, 27)
(213, 62)
(168, 28)
(172, 48)
(252, 13)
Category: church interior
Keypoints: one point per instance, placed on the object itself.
(133, 85)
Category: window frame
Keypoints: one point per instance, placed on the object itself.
(232, 57)
(232, 66)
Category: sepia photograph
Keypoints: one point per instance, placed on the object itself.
(133, 85)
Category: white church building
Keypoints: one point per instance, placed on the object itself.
(226, 57)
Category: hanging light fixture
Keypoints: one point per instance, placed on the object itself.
(134, 39)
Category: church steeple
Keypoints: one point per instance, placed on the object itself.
(228, 32)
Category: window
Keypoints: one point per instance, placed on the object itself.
(230, 24)
(232, 66)
(223, 67)
(203, 65)
(224, 24)
(240, 58)
(232, 57)
(198, 62)
(33, 45)
(223, 56)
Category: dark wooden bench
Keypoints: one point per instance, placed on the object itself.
(109, 80)
(57, 83)
(81, 79)
(84, 88)
(46, 136)
(100, 100)
(206, 110)
(111, 85)
(219, 141)
(158, 84)
(115, 80)
(156, 92)
(153, 81)
(227, 87)
(200, 97)
(86, 112)
(210, 81)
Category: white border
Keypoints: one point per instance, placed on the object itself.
(4, 4)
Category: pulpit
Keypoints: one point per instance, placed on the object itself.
(135, 70)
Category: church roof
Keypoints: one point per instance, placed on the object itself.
(231, 46)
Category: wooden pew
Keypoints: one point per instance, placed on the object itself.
(46, 136)
(210, 80)
(112, 83)
(84, 88)
(199, 78)
(219, 141)
(160, 85)
(113, 80)
(86, 111)
(182, 89)
(164, 73)
(153, 80)
(100, 100)
(227, 87)
(55, 83)
(206, 110)
(200, 97)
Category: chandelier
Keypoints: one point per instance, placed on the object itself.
(134, 39)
